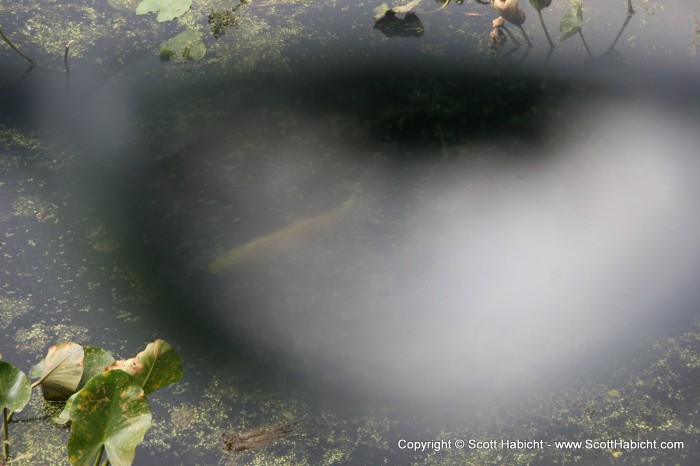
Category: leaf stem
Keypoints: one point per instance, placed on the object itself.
(6, 432)
(585, 44)
(527, 39)
(99, 456)
(546, 33)
(14, 47)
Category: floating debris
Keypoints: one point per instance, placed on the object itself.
(256, 438)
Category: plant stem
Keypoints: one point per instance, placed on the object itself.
(510, 34)
(6, 441)
(630, 10)
(99, 456)
(585, 44)
(546, 33)
(13, 47)
(527, 39)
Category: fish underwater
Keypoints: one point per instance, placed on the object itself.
(285, 239)
(288, 238)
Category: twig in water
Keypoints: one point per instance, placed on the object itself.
(65, 54)
(14, 47)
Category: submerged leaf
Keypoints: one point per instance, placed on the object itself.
(111, 411)
(155, 367)
(572, 22)
(15, 389)
(62, 370)
(167, 9)
(188, 45)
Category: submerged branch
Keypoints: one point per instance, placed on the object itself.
(14, 47)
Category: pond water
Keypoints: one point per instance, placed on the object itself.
(361, 230)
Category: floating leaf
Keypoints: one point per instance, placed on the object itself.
(572, 22)
(96, 360)
(188, 44)
(167, 9)
(15, 389)
(61, 372)
(110, 411)
(153, 368)
(540, 5)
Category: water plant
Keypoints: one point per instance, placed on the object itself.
(511, 11)
(540, 5)
(105, 400)
(572, 23)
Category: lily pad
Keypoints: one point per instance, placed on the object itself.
(167, 9)
(61, 372)
(188, 45)
(155, 367)
(15, 389)
(572, 22)
(110, 412)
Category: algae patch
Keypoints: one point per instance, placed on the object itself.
(12, 308)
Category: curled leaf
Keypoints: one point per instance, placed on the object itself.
(572, 22)
(153, 368)
(510, 11)
(61, 371)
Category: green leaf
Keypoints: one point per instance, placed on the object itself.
(540, 5)
(96, 360)
(15, 389)
(167, 9)
(62, 371)
(188, 45)
(111, 411)
(572, 22)
(153, 368)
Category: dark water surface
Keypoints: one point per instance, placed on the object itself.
(472, 242)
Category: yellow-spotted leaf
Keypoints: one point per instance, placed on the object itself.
(111, 411)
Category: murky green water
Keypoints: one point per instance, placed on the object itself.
(443, 240)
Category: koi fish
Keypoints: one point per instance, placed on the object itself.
(281, 240)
